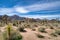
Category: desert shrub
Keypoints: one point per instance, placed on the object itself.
(21, 29)
(42, 30)
(53, 34)
(40, 36)
(28, 26)
(56, 25)
(57, 32)
(51, 27)
(14, 24)
(33, 29)
(46, 25)
(35, 25)
(2, 24)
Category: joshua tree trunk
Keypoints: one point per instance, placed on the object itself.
(9, 32)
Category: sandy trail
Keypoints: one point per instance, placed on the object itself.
(29, 35)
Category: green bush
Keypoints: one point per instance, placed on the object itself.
(33, 29)
(2, 24)
(35, 25)
(14, 24)
(40, 36)
(27, 26)
(42, 30)
(57, 32)
(21, 29)
(51, 27)
(53, 34)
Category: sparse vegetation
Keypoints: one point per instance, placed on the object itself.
(57, 32)
(53, 34)
(42, 30)
(40, 36)
(33, 29)
(28, 25)
(51, 27)
(21, 29)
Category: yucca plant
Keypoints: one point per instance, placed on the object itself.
(11, 34)
(9, 29)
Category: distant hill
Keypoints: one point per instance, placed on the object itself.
(16, 17)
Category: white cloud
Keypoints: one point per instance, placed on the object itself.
(30, 8)
(43, 6)
(6, 10)
(41, 16)
(21, 10)
(13, 10)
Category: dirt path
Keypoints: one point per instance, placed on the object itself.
(29, 35)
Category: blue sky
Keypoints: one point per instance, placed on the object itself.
(31, 8)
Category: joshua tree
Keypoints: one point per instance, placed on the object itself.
(8, 31)
(11, 34)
